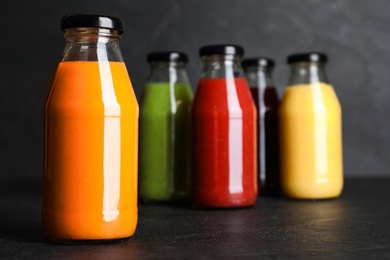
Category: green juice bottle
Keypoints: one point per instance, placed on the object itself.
(164, 129)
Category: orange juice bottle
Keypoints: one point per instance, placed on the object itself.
(310, 131)
(91, 137)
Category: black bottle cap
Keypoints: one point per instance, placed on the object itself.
(258, 62)
(167, 56)
(221, 49)
(91, 20)
(307, 57)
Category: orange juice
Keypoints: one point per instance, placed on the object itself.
(310, 139)
(90, 178)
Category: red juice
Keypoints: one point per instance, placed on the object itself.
(224, 144)
(267, 103)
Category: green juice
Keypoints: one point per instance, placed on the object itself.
(164, 141)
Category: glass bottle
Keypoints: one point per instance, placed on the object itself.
(91, 137)
(164, 129)
(258, 73)
(224, 140)
(310, 131)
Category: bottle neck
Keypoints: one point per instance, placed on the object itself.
(167, 72)
(307, 73)
(92, 44)
(259, 77)
(222, 66)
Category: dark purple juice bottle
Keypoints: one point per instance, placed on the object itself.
(258, 73)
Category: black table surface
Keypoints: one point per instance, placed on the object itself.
(354, 226)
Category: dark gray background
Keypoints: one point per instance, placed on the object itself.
(354, 33)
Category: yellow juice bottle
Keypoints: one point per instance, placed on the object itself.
(310, 132)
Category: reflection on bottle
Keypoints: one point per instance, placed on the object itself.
(235, 138)
(320, 135)
(112, 139)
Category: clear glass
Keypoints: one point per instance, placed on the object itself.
(259, 76)
(92, 44)
(222, 66)
(168, 72)
(307, 73)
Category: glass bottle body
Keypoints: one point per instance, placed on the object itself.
(164, 136)
(310, 135)
(224, 136)
(91, 140)
(267, 102)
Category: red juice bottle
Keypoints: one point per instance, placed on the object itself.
(259, 76)
(224, 134)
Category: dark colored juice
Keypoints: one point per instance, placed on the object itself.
(267, 103)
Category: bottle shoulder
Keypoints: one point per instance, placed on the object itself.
(83, 85)
(161, 96)
(309, 96)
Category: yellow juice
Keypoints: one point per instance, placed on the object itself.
(310, 142)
